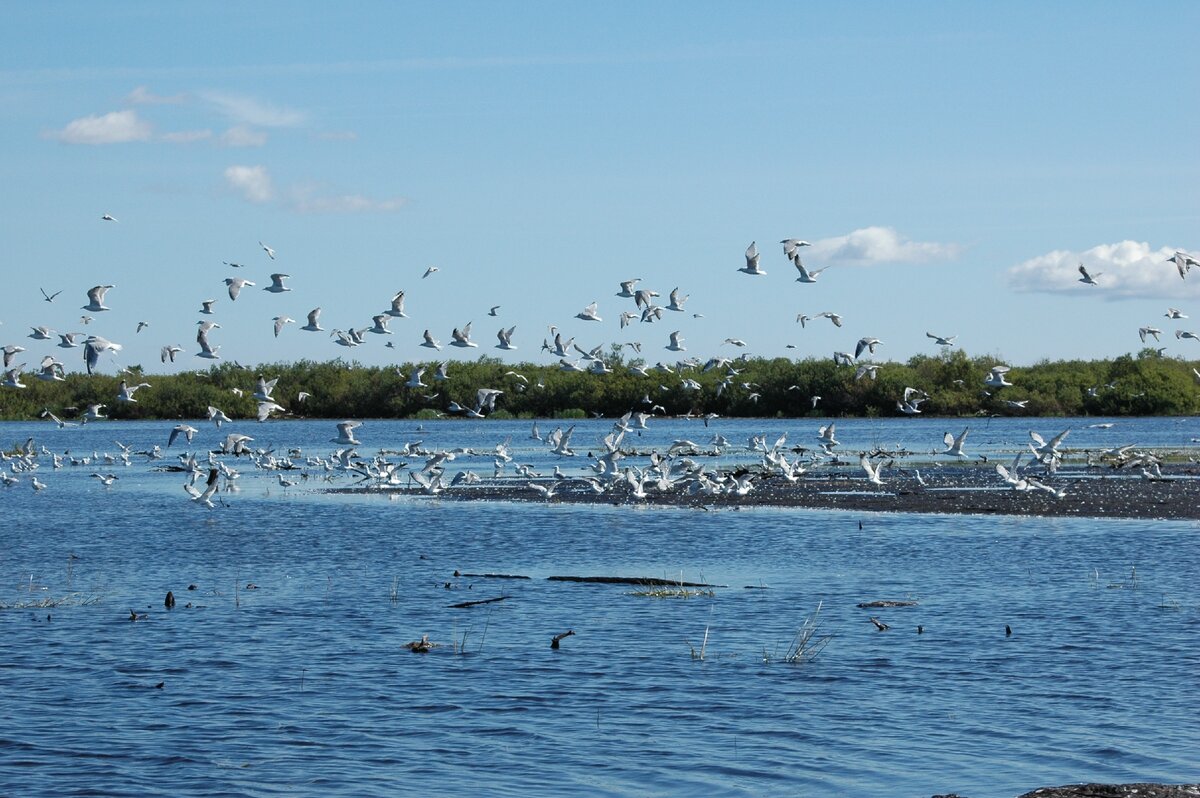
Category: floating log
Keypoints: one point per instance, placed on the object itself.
(473, 603)
(630, 580)
(872, 605)
(494, 576)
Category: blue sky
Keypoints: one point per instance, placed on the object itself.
(952, 164)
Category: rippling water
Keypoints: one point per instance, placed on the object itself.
(301, 684)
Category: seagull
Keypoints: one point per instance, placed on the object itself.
(751, 266)
(414, 380)
(206, 306)
(430, 342)
(734, 341)
(826, 434)
(397, 308)
(141, 325)
(493, 310)
(263, 389)
(235, 286)
(181, 429)
(41, 334)
(93, 347)
(833, 317)
(429, 271)
(803, 319)
(105, 479)
(627, 291)
(589, 313)
(1144, 331)
(1088, 279)
(207, 351)
(1181, 334)
(93, 413)
(280, 321)
(313, 325)
(462, 338)
(125, 391)
(96, 298)
(270, 252)
(265, 409)
(379, 324)
(234, 265)
(1184, 262)
(11, 351)
(108, 218)
(866, 343)
(12, 378)
(676, 302)
(1173, 313)
(277, 286)
(806, 275)
(69, 340)
(676, 344)
(867, 370)
(843, 359)
(505, 337)
(954, 445)
(872, 470)
(346, 434)
(204, 498)
(995, 378)
(790, 245)
(169, 353)
(941, 340)
(217, 416)
(49, 297)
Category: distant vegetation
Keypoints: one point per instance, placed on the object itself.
(1140, 385)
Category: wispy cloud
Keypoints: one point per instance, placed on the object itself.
(185, 136)
(1125, 270)
(242, 136)
(143, 96)
(244, 110)
(869, 245)
(252, 182)
(117, 127)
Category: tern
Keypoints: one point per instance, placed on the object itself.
(235, 286)
(108, 218)
(397, 308)
(751, 266)
(462, 338)
(313, 325)
(96, 298)
(277, 286)
(1088, 279)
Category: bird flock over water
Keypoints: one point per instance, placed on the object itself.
(673, 470)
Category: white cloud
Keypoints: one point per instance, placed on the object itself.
(143, 96)
(242, 136)
(252, 182)
(249, 111)
(186, 136)
(869, 245)
(117, 127)
(1123, 270)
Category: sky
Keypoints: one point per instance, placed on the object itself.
(951, 164)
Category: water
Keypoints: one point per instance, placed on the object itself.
(301, 684)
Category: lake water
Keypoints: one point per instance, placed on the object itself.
(287, 674)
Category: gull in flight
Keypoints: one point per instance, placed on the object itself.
(995, 377)
(69, 340)
(234, 265)
(1181, 334)
(265, 409)
(803, 319)
(833, 317)
(205, 498)
(462, 338)
(263, 389)
(866, 343)
(346, 434)
(751, 266)
(52, 370)
(414, 379)
(627, 291)
(942, 340)
(277, 286)
(493, 310)
(676, 344)
(872, 470)
(235, 286)
(93, 413)
(12, 378)
(280, 321)
(379, 324)
(430, 342)
(42, 334)
(397, 308)
(11, 351)
(206, 306)
(93, 347)
(791, 245)
(1174, 313)
(676, 302)
(96, 298)
(429, 271)
(49, 297)
(735, 342)
(169, 353)
(313, 325)
(206, 350)
(505, 337)
(806, 275)
(1144, 331)
(1088, 279)
(109, 218)
(181, 429)
(589, 313)
(1184, 262)
(217, 416)
(954, 446)
(270, 252)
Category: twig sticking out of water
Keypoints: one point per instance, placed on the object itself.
(807, 644)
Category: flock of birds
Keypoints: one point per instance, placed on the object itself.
(665, 472)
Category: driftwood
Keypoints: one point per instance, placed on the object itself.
(554, 640)
(630, 580)
(880, 625)
(872, 605)
(493, 576)
(474, 603)
(1117, 791)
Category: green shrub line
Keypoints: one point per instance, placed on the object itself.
(1143, 384)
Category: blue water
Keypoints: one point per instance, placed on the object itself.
(301, 685)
